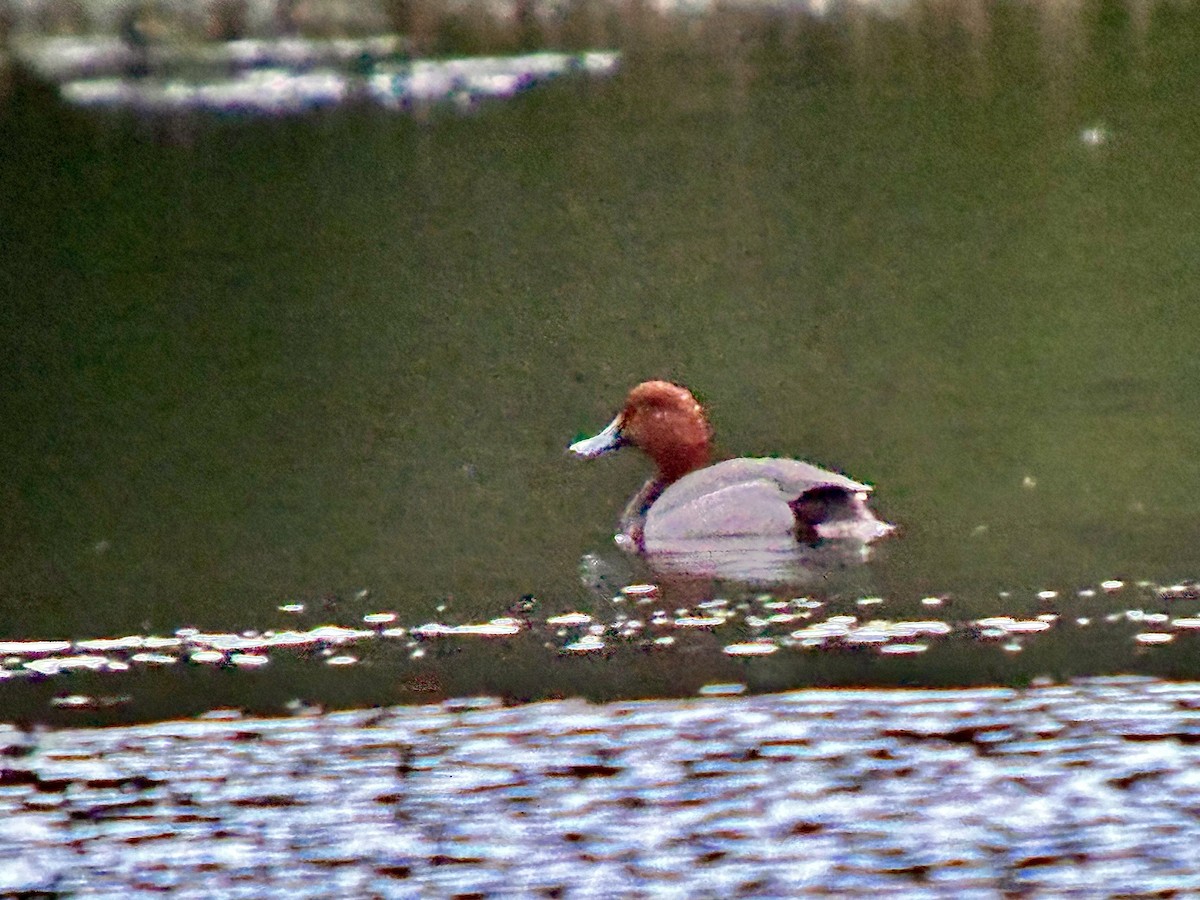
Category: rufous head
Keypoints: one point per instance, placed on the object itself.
(662, 419)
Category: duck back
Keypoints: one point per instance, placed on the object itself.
(739, 497)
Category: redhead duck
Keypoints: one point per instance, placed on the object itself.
(692, 506)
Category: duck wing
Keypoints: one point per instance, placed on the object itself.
(760, 497)
(744, 508)
(790, 478)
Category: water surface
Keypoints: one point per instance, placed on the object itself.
(967, 793)
(250, 362)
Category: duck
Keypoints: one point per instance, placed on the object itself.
(694, 505)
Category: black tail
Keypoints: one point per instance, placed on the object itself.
(823, 503)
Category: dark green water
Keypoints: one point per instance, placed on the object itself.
(252, 362)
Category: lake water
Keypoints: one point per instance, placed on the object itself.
(1082, 791)
(334, 359)
(286, 395)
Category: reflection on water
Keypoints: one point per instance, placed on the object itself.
(288, 75)
(75, 58)
(948, 245)
(767, 562)
(1049, 791)
(271, 91)
(718, 641)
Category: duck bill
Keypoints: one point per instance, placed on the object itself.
(607, 441)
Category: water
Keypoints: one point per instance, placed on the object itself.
(633, 645)
(1055, 791)
(256, 361)
(285, 405)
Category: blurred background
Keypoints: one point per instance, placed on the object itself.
(295, 311)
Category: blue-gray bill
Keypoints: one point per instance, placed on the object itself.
(606, 441)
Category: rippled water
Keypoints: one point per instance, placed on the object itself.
(286, 402)
(257, 362)
(285, 405)
(1074, 790)
(638, 642)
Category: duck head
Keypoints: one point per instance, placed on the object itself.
(665, 422)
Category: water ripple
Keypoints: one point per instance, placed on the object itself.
(975, 792)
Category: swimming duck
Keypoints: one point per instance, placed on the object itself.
(690, 505)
